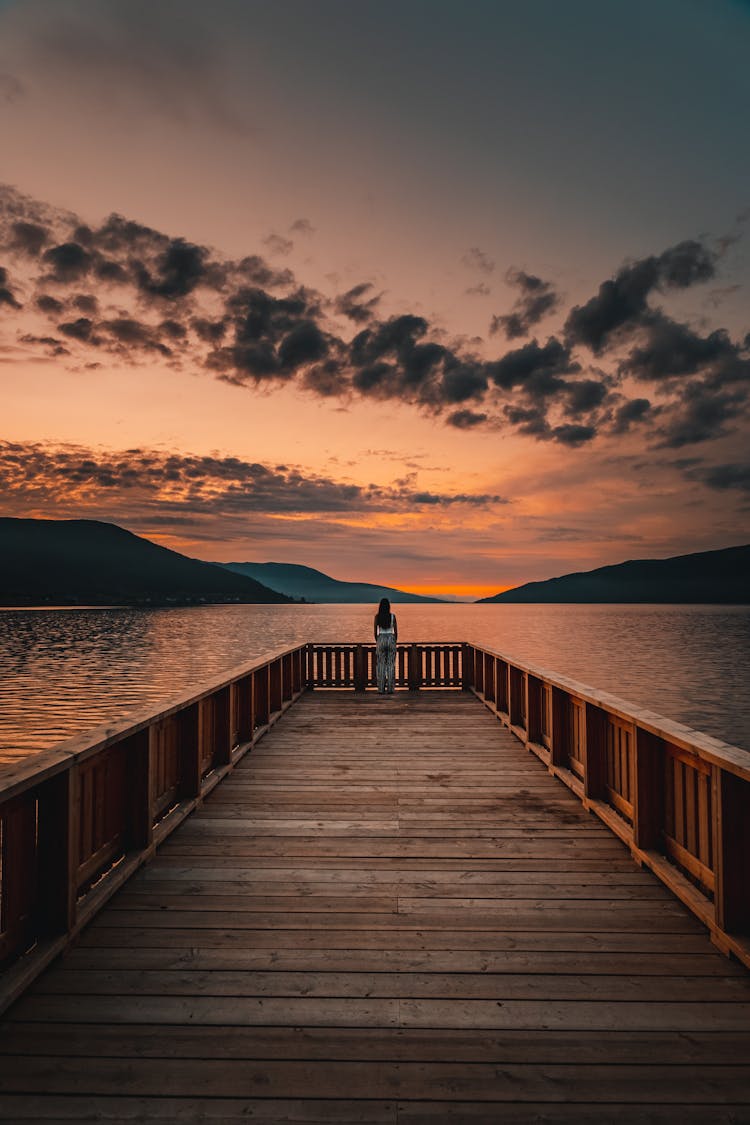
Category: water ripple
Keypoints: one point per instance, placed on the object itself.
(64, 671)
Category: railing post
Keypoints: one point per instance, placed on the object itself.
(467, 667)
(309, 668)
(56, 840)
(141, 792)
(223, 727)
(20, 884)
(731, 828)
(533, 709)
(261, 703)
(415, 667)
(190, 752)
(360, 668)
(648, 790)
(594, 751)
(560, 728)
(275, 686)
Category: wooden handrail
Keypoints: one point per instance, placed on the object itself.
(679, 798)
(418, 664)
(78, 819)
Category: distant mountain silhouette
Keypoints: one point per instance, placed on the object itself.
(720, 577)
(314, 586)
(85, 562)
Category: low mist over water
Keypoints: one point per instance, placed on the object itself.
(66, 670)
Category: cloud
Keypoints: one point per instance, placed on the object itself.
(277, 244)
(271, 337)
(357, 303)
(476, 259)
(123, 289)
(6, 296)
(631, 412)
(466, 419)
(536, 299)
(622, 302)
(669, 349)
(701, 414)
(31, 238)
(67, 262)
(481, 289)
(728, 476)
(303, 227)
(538, 369)
(35, 475)
(177, 270)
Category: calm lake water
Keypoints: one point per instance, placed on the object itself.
(64, 671)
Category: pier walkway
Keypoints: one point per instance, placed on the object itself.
(391, 911)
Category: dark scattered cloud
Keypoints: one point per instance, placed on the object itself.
(536, 299)
(573, 433)
(80, 329)
(668, 348)
(277, 244)
(30, 238)
(701, 414)
(68, 261)
(6, 295)
(51, 345)
(631, 412)
(46, 303)
(476, 259)
(269, 337)
(538, 368)
(177, 270)
(125, 290)
(35, 473)
(466, 419)
(481, 289)
(622, 302)
(303, 227)
(359, 304)
(728, 476)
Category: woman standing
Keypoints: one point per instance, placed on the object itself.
(386, 635)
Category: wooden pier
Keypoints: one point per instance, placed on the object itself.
(390, 911)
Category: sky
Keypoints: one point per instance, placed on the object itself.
(446, 296)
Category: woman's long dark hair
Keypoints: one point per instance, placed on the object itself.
(384, 614)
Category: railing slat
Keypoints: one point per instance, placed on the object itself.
(679, 798)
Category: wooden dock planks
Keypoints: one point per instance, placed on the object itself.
(390, 912)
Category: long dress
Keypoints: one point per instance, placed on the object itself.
(386, 657)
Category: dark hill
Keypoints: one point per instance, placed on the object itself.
(314, 586)
(85, 562)
(721, 577)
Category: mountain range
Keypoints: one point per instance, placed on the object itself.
(719, 577)
(314, 586)
(86, 562)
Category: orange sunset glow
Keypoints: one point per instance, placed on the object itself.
(256, 305)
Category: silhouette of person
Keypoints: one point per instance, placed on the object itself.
(386, 636)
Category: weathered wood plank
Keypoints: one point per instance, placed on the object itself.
(724, 1085)
(387, 914)
(402, 984)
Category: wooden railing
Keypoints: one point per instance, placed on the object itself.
(76, 820)
(679, 798)
(418, 664)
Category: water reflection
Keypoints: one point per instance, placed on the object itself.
(66, 670)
